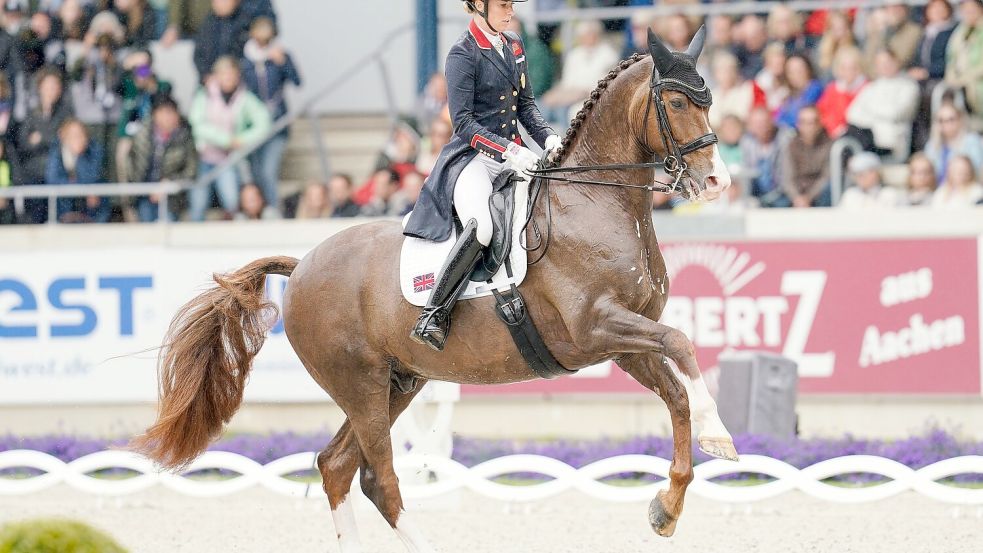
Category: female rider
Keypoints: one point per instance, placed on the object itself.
(489, 94)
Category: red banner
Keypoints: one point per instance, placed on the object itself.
(885, 316)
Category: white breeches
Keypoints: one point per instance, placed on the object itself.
(471, 193)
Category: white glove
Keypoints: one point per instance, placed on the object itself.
(520, 158)
(553, 143)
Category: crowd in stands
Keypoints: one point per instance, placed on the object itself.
(79, 102)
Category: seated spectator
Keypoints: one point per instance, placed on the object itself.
(314, 203)
(95, 82)
(6, 107)
(929, 62)
(439, 136)
(837, 36)
(805, 169)
(185, 18)
(583, 66)
(162, 151)
(961, 188)
(9, 176)
(771, 79)
(886, 107)
(140, 85)
(675, 30)
(803, 90)
(732, 95)
(72, 20)
(405, 198)
(848, 80)
(869, 192)
(223, 33)
(540, 64)
(892, 29)
(720, 38)
(951, 136)
(432, 103)
(252, 207)
(137, 17)
(224, 117)
(384, 183)
(759, 150)
(921, 180)
(340, 190)
(729, 134)
(401, 151)
(751, 39)
(40, 128)
(785, 28)
(267, 69)
(964, 55)
(75, 159)
(637, 41)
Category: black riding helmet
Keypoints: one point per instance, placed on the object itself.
(484, 14)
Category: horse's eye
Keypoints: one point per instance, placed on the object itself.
(677, 104)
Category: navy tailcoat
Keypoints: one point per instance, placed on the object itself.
(488, 97)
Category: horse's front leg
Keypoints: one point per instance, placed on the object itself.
(652, 371)
(629, 332)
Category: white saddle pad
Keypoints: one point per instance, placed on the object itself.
(420, 261)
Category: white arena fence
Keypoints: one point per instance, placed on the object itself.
(443, 475)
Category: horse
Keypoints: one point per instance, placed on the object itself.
(595, 294)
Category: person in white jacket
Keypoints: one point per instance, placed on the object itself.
(869, 191)
(887, 106)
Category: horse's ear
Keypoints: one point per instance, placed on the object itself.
(660, 54)
(696, 45)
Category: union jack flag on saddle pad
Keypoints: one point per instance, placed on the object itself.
(422, 283)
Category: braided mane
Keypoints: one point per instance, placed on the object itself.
(595, 95)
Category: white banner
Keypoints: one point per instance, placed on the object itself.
(81, 326)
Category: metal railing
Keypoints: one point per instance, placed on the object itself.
(52, 192)
(837, 175)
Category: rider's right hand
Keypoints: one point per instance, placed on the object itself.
(520, 158)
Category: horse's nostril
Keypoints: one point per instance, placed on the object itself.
(712, 183)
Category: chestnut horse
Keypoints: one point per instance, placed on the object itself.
(596, 295)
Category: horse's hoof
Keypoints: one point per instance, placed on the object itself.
(662, 522)
(721, 448)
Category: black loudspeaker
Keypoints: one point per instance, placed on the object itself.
(757, 393)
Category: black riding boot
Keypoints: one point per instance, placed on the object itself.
(434, 323)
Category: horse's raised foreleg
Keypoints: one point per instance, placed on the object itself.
(338, 463)
(654, 373)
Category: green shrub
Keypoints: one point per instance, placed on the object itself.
(55, 536)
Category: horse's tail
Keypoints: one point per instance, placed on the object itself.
(205, 361)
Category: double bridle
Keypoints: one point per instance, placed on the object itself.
(674, 165)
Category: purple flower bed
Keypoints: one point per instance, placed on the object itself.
(915, 452)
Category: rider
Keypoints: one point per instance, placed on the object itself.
(489, 94)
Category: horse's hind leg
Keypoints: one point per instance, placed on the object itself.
(652, 371)
(338, 463)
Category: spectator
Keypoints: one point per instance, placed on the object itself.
(223, 33)
(137, 17)
(637, 41)
(961, 188)
(162, 151)
(892, 29)
(732, 95)
(848, 80)
(720, 38)
(75, 159)
(540, 64)
(224, 117)
(403, 201)
(252, 207)
(869, 192)
(951, 136)
(886, 107)
(439, 136)
(185, 18)
(759, 150)
(266, 70)
(314, 204)
(40, 128)
(583, 66)
(805, 169)
(384, 183)
(785, 28)
(921, 180)
(751, 46)
(72, 20)
(803, 90)
(432, 103)
(8, 50)
(29, 60)
(96, 81)
(398, 155)
(9, 176)
(139, 88)
(676, 31)
(6, 107)
(771, 78)
(729, 134)
(929, 63)
(964, 56)
(837, 36)
(340, 189)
